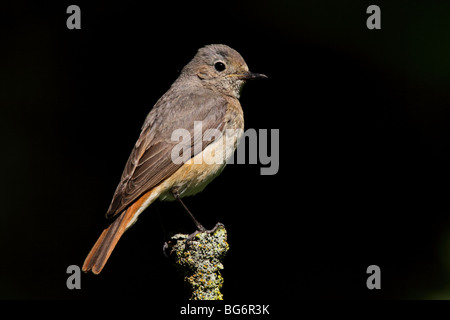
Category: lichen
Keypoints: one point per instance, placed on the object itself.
(199, 260)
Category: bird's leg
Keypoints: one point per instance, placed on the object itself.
(200, 227)
(198, 224)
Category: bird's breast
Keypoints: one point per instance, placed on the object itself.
(193, 176)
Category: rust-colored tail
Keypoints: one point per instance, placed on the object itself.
(100, 252)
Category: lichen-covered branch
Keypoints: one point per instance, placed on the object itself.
(199, 260)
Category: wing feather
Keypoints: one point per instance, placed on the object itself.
(150, 161)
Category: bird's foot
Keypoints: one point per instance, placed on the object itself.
(203, 230)
(188, 239)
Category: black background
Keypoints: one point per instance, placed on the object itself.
(364, 150)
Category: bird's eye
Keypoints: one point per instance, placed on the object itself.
(219, 66)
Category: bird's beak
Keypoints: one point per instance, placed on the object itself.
(249, 76)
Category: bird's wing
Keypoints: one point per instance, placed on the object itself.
(150, 161)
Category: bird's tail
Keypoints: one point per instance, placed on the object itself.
(100, 252)
(102, 249)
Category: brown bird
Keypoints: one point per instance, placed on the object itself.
(206, 92)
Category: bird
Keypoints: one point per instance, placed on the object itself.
(206, 92)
